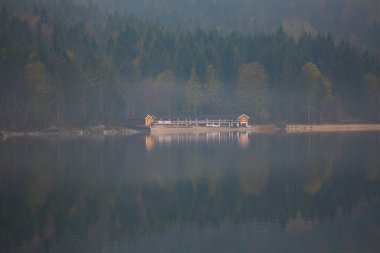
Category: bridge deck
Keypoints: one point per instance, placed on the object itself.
(207, 122)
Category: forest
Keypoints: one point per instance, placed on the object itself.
(357, 21)
(77, 64)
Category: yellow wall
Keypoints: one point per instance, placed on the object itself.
(243, 119)
(148, 120)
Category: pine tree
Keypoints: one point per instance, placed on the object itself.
(213, 92)
(253, 90)
(194, 97)
(163, 93)
(39, 89)
(314, 93)
(372, 97)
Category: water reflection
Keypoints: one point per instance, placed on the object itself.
(242, 138)
(120, 194)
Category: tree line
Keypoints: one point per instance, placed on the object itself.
(356, 21)
(75, 65)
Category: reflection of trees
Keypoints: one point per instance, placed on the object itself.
(320, 168)
(48, 189)
(41, 175)
(254, 169)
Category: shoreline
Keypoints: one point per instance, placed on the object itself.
(125, 131)
(69, 132)
(299, 128)
(203, 129)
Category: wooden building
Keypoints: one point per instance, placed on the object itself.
(243, 120)
(149, 120)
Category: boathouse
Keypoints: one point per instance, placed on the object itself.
(150, 119)
(241, 121)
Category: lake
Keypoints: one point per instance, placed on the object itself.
(228, 192)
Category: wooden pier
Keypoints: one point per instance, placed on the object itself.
(196, 122)
(177, 125)
(241, 121)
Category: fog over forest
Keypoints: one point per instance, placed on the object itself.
(80, 62)
(355, 20)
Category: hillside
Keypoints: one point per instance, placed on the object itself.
(357, 21)
(71, 64)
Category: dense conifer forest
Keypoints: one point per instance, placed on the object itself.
(77, 64)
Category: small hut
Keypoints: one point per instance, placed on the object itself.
(243, 120)
(150, 119)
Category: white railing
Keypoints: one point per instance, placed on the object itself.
(196, 122)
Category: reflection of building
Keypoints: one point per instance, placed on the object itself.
(243, 139)
(241, 121)
(153, 141)
(149, 143)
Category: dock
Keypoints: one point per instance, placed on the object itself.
(177, 125)
(195, 122)
(231, 122)
(162, 129)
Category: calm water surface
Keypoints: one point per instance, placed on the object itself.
(191, 193)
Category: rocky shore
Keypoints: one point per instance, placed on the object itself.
(99, 130)
(332, 128)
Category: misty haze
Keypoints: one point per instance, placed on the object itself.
(190, 126)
